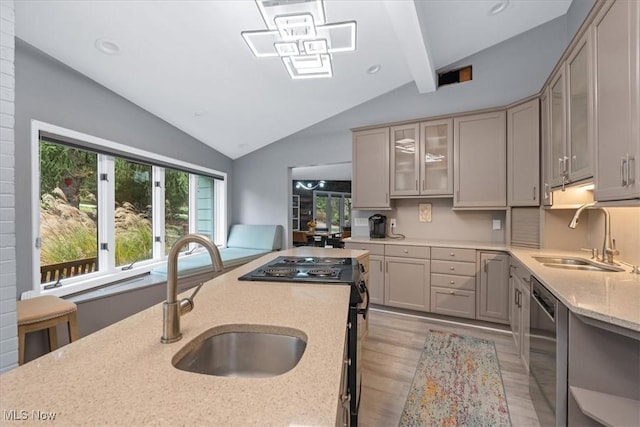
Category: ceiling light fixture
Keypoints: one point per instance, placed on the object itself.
(309, 186)
(107, 46)
(499, 7)
(297, 33)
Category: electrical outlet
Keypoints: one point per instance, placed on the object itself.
(392, 221)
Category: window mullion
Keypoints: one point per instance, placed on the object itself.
(106, 213)
(193, 203)
(158, 200)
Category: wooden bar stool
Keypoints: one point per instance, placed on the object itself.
(45, 312)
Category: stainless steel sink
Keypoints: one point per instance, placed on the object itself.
(243, 351)
(574, 263)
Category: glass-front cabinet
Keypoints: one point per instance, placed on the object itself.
(557, 124)
(580, 139)
(422, 159)
(436, 154)
(404, 160)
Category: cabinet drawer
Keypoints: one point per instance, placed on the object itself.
(453, 281)
(454, 254)
(373, 248)
(406, 251)
(452, 302)
(522, 273)
(453, 267)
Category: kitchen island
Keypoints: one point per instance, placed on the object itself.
(123, 375)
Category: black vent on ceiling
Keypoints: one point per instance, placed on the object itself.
(460, 75)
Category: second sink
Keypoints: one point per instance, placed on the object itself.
(243, 351)
(573, 263)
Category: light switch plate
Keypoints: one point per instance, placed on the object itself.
(497, 224)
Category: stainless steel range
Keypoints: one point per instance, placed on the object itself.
(329, 271)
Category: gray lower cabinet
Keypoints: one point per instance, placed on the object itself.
(453, 282)
(493, 287)
(407, 283)
(519, 309)
(376, 279)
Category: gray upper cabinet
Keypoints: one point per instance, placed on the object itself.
(436, 157)
(557, 131)
(480, 151)
(570, 113)
(617, 108)
(580, 111)
(405, 169)
(545, 161)
(371, 169)
(523, 147)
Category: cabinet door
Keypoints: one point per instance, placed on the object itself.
(516, 315)
(545, 169)
(557, 125)
(615, 32)
(523, 147)
(407, 283)
(580, 112)
(493, 300)
(371, 169)
(376, 279)
(436, 157)
(405, 169)
(480, 151)
(525, 308)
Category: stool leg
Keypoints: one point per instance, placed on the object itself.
(21, 340)
(53, 338)
(72, 322)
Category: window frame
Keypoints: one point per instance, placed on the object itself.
(106, 195)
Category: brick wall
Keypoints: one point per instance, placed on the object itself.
(8, 328)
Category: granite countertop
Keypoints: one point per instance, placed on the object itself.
(612, 297)
(122, 374)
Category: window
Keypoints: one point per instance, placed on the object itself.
(332, 210)
(108, 212)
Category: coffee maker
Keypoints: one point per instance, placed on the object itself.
(377, 226)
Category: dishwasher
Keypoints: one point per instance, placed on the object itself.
(548, 356)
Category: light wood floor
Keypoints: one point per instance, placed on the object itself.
(391, 353)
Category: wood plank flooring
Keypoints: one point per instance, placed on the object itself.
(391, 353)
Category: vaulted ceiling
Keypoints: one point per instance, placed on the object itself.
(186, 62)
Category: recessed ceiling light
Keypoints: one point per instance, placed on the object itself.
(107, 46)
(373, 69)
(499, 7)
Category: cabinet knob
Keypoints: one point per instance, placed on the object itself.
(452, 254)
(452, 268)
(451, 293)
(452, 282)
(406, 251)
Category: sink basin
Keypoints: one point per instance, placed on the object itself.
(574, 263)
(255, 351)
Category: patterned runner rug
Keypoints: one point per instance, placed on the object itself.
(457, 383)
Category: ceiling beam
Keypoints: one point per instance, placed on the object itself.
(412, 42)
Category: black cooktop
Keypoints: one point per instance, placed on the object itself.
(306, 269)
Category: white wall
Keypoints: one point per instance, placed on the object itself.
(8, 328)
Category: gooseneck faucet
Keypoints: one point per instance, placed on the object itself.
(608, 249)
(172, 309)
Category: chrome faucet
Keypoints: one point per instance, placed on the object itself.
(172, 309)
(608, 247)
